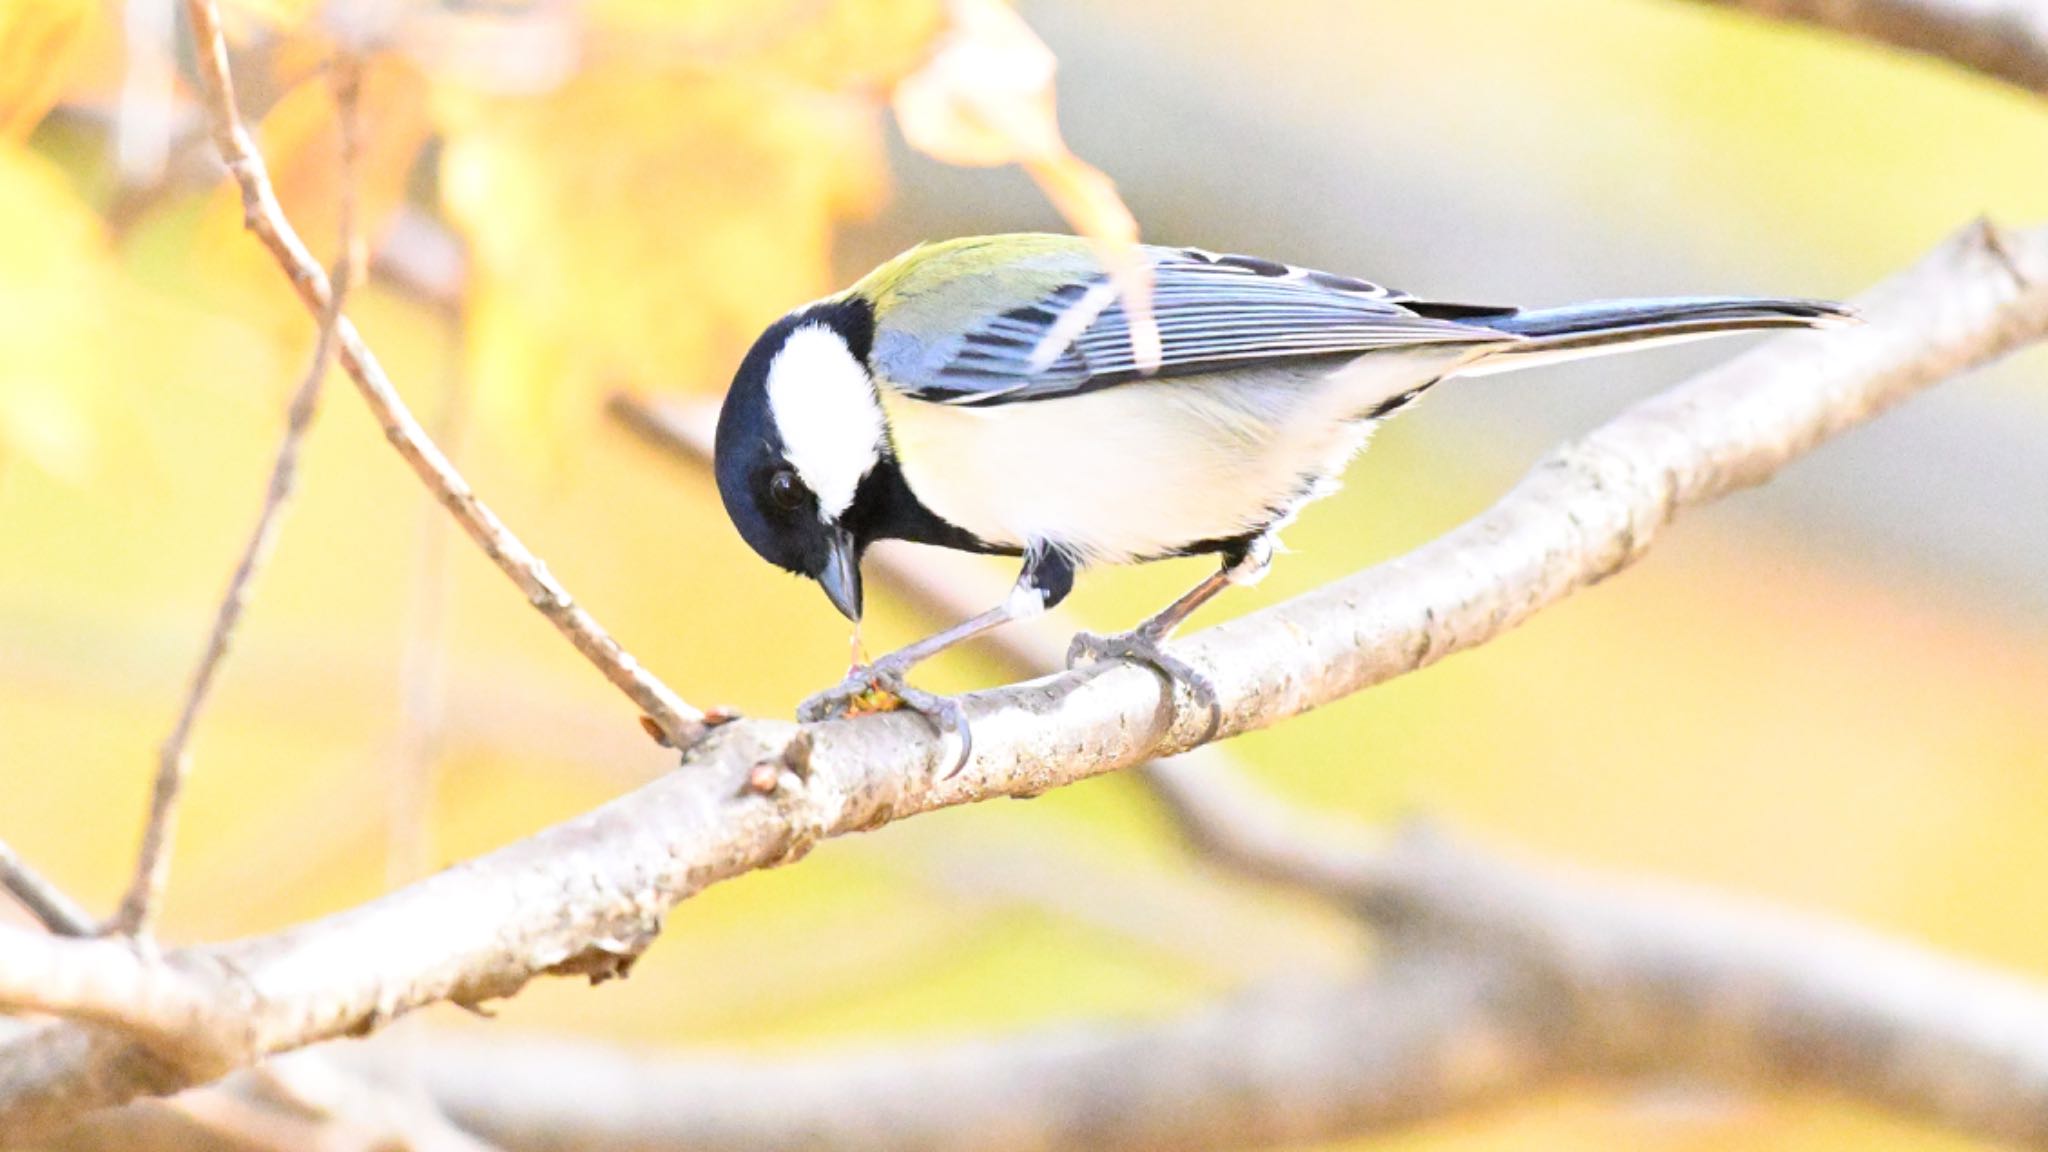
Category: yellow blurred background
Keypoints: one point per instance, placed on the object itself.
(1829, 693)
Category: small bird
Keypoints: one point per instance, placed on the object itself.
(987, 394)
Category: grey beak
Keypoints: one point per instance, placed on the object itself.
(841, 577)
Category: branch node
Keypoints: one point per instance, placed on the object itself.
(761, 779)
(796, 755)
(48, 903)
(1991, 238)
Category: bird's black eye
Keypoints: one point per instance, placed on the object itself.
(786, 490)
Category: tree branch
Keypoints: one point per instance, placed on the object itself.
(303, 1103)
(1494, 979)
(1281, 1067)
(176, 1013)
(264, 217)
(2004, 39)
(144, 897)
(44, 900)
(587, 896)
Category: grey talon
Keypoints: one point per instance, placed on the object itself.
(1141, 647)
(943, 713)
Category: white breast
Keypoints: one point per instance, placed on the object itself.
(1143, 469)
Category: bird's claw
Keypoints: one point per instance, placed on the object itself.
(881, 687)
(1143, 647)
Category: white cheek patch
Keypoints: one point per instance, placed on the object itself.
(825, 408)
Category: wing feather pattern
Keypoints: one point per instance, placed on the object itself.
(1212, 312)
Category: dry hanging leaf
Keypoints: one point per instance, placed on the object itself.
(56, 284)
(637, 229)
(37, 41)
(986, 98)
(300, 140)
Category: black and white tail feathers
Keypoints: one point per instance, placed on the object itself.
(1586, 329)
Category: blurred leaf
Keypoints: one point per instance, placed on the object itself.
(837, 44)
(38, 39)
(301, 143)
(641, 228)
(519, 48)
(244, 17)
(56, 291)
(986, 96)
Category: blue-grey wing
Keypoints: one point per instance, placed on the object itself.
(1212, 312)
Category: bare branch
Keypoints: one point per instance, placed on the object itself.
(1662, 979)
(422, 670)
(302, 1103)
(1236, 826)
(384, 1117)
(174, 1011)
(1282, 1067)
(2004, 39)
(263, 216)
(144, 898)
(139, 906)
(1495, 979)
(44, 900)
(587, 896)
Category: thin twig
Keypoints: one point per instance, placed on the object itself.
(44, 900)
(682, 724)
(423, 667)
(345, 76)
(430, 264)
(144, 898)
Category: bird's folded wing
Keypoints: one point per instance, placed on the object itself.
(1213, 313)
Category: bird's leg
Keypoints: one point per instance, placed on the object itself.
(887, 674)
(1044, 580)
(1146, 644)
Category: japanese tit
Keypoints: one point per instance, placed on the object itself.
(985, 394)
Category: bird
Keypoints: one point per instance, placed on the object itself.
(994, 394)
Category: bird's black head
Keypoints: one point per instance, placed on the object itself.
(801, 428)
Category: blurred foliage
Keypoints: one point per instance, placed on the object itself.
(639, 187)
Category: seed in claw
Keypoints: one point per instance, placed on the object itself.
(875, 700)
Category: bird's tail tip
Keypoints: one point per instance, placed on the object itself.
(1603, 321)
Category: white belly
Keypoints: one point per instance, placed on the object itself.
(1143, 469)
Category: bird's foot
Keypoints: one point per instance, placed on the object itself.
(881, 687)
(1146, 647)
